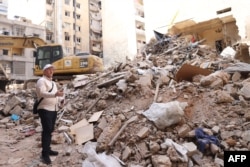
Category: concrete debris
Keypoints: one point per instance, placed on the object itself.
(142, 112)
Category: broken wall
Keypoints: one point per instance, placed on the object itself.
(218, 33)
(165, 13)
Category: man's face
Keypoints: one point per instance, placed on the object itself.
(49, 72)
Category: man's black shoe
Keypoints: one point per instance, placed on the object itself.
(46, 159)
(51, 152)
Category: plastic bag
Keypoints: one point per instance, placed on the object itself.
(165, 114)
(97, 160)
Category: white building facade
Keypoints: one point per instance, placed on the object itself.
(123, 30)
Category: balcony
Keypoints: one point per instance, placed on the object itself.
(93, 8)
(96, 16)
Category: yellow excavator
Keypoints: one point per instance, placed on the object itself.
(65, 66)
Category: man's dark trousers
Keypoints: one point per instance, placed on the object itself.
(48, 120)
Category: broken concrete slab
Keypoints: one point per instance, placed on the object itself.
(95, 116)
(79, 124)
(238, 67)
(84, 134)
(11, 104)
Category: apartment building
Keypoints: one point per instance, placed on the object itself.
(18, 62)
(75, 24)
(114, 30)
(3, 7)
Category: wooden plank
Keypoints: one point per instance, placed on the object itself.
(110, 82)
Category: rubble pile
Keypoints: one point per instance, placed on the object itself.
(176, 104)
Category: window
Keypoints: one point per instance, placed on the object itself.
(49, 36)
(78, 28)
(49, 25)
(49, 12)
(78, 51)
(43, 57)
(6, 33)
(49, 2)
(78, 5)
(18, 30)
(5, 52)
(56, 53)
(66, 25)
(67, 13)
(100, 4)
(36, 35)
(67, 50)
(78, 40)
(78, 16)
(67, 37)
(66, 2)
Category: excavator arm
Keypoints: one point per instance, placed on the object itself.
(7, 42)
(15, 45)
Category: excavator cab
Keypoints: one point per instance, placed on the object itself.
(47, 55)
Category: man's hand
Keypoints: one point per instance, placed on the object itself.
(59, 93)
(61, 104)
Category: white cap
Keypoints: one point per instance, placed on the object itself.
(47, 66)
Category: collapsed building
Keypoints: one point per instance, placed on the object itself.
(218, 32)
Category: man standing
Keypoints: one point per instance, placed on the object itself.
(46, 88)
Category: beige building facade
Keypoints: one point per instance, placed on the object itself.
(114, 30)
(75, 24)
(18, 63)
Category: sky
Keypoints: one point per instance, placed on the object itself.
(17, 7)
(31, 9)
